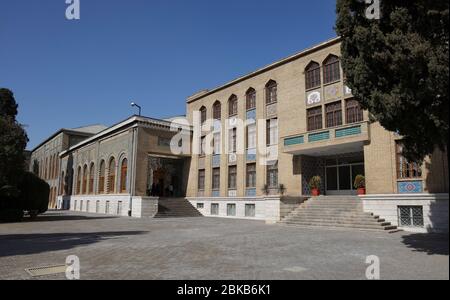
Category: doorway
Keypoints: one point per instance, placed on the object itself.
(339, 178)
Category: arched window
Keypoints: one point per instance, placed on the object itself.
(91, 179)
(251, 99)
(203, 116)
(85, 175)
(271, 92)
(312, 75)
(331, 69)
(217, 111)
(123, 176)
(112, 176)
(46, 169)
(101, 178)
(233, 106)
(78, 190)
(62, 185)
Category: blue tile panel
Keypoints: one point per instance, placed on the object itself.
(251, 114)
(294, 140)
(410, 187)
(321, 136)
(216, 194)
(250, 193)
(216, 161)
(348, 131)
(251, 155)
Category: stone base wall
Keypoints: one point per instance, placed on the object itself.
(435, 209)
(116, 205)
(269, 209)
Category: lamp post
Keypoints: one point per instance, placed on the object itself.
(136, 105)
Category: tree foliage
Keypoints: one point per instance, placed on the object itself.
(398, 68)
(13, 141)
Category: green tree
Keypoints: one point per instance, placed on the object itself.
(398, 67)
(13, 141)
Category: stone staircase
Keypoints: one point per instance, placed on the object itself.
(176, 208)
(338, 212)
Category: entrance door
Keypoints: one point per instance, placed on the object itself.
(340, 178)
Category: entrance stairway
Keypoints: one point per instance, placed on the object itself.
(336, 211)
(176, 208)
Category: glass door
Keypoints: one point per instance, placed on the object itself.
(340, 178)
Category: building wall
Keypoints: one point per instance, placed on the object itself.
(47, 159)
(379, 145)
(290, 111)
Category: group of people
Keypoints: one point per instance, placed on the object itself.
(157, 190)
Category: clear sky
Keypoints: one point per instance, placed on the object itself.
(68, 74)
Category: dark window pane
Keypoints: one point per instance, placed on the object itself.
(332, 184)
(344, 178)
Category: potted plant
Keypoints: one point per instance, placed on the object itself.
(360, 184)
(282, 189)
(314, 184)
(265, 189)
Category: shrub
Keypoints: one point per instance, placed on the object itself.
(34, 193)
(360, 182)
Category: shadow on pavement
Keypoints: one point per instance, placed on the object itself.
(25, 244)
(432, 244)
(55, 217)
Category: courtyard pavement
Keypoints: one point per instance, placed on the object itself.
(211, 248)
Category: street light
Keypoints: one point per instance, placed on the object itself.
(136, 105)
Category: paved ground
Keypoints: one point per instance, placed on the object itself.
(208, 248)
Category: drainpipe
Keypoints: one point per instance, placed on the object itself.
(132, 171)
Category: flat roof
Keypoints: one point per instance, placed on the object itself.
(281, 62)
(76, 131)
(126, 123)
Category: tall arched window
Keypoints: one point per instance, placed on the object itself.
(112, 176)
(78, 191)
(85, 176)
(251, 99)
(62, 184)
(91, 179)
(271, 92)
(203, 113)
(331, 69)
(123, 176)
(233, 106)
(101, 178)
(312, 75)
(217, 111)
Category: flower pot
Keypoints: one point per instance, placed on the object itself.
(361, 191)
(315, 192)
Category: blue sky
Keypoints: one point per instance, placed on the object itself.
(67, 74)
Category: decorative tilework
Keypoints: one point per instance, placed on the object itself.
(250, 193)
(348, 131)
(294, 140)
(216, 161)
(410, 187)
(315, 137)
(251, 114)
(251, 154)
(216, 194)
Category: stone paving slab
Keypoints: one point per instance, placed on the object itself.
(212, 248)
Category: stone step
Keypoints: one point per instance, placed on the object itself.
(357, 226)
(339, 219)
(176, 208)
(337, 211)
(344, 228)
